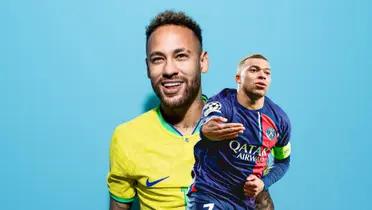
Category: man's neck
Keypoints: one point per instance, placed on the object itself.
(184, 119)
(250, 102)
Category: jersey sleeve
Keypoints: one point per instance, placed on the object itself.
(282, 149)
(215, 106)
(281, 153)
(120, 185)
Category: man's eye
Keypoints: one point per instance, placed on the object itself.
(181, 56)
(156, 60)
(253, 69)
(267, 73)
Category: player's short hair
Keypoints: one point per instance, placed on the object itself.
(170, 17)
(242, 61)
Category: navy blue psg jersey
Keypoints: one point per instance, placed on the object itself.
(221, 167)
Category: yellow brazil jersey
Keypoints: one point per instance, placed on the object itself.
(150, 159)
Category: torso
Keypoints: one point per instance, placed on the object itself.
(223, 166)
(160, 161)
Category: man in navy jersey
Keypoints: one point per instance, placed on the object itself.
(240, 129)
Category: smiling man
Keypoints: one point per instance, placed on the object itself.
(151, 156)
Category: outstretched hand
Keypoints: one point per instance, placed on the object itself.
(217, 129)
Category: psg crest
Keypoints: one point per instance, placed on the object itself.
(270, 133)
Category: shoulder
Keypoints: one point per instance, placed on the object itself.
(220, 101)
(137, 124)
(227, 93)
(278, 111)
(224, 95)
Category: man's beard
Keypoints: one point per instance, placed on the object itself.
(183, 98)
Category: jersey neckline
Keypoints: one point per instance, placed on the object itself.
(170, 128)
(245, 108)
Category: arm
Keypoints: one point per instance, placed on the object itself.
(278, 170)
(114, 205)
(281, 153)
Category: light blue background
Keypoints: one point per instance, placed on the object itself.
(71, 70)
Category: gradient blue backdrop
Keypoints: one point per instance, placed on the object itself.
(71, 70)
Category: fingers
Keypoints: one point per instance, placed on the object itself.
(251, 177)
(218, 119)
(229, 125)
(250, 194)
(223, 134)
(253, 186)
(250, 185)
(251, 190)
(220, 122)
(229, 130)
(222, 131)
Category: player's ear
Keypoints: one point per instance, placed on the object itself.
(147, 68)
(204, 62)
(238, 79)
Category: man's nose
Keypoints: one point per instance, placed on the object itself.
(262, 75)
(170, 68)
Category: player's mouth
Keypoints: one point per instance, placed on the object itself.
(261, 85)
(171, 87)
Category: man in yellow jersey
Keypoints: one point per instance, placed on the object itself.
(151, 156)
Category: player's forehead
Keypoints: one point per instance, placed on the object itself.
(262, 63)
(168, 38)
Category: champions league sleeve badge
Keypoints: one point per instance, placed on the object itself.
(210, 107)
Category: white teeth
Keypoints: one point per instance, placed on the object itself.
(171, 84)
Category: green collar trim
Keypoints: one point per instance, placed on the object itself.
(164, 123)
(171, 128)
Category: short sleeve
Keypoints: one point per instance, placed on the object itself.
(215, 106)
(119, 183)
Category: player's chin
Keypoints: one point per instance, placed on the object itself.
(260, 93)
(173, 101)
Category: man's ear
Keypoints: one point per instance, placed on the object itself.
(204, 64)
(237, 79)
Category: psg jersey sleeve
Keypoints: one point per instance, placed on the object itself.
(216, 106)
(281, 153)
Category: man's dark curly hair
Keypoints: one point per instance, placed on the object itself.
(170, 17)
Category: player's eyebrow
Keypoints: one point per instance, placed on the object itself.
(178, 50)
(156, 53)
(255, 66)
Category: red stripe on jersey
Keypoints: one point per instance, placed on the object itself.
(269, 133)
(193, 188)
